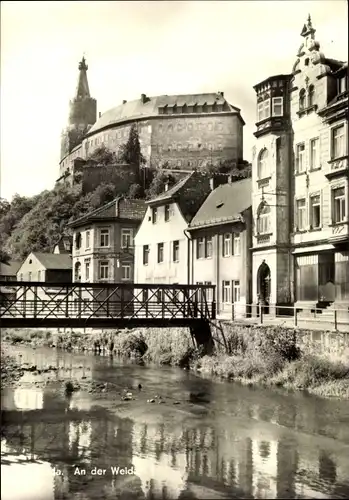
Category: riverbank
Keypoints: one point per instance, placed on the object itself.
(269, 356)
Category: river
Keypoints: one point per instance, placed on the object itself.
(208, 439)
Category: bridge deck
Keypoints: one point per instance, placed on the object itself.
(106, 305)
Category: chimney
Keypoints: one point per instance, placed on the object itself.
(143, 98)
(124, 101)
(99, 114)
(166, 186)
(230, 179)
(220, 93)
(212, 183)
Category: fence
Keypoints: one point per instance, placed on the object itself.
(290, 315)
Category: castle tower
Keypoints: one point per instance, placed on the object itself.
(271, 193)
(82, 113)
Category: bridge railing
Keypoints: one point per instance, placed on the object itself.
(107, 300)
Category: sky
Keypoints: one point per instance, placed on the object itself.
(134, 48)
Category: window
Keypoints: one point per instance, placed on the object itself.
(104, 237)
(78, 241)
(302, 100)
(103, 270)
(262, 167)
(263, 220)
(208, 250)
(278, 106)
(77, 272)
(176, 251)
(126, 272)
(300, 158)
(167, 213)
(226, 292)
(263, 110)
(338, 145)
(87, 270)
(236, 291)
(39, 275)
(227, 245)
(236, 244)
(314, 153)
(145, 255)
(200, 248)
(154, 215)
(87, 239)
(21, 277)
(126, 238)
(311, 95)
(160, 253)
(301, 214)
(338, 204)
(342, 85)
(29, 276)
(315, 212)
(209, 292)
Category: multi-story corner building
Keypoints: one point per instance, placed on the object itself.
(184, 131)
(103, 242)
(220, 245)
(300, 182)
(161, 243)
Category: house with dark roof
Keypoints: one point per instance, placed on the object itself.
(46, 267)
(161, 243)
(103, 242)
(220, 242)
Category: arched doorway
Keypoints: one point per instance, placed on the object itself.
(263, 286)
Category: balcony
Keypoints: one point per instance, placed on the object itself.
(337, 167)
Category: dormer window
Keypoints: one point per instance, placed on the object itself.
(311, 94)
(302, 100)
(277, 109)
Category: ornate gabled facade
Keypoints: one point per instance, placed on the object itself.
(82, 114)
(300, 183)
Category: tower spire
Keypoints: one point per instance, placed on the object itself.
(82, 90)
(308, 28)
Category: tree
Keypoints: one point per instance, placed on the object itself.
(130, 152)
(135, 192)
(158, 183)
(4, 257)
(103, 156)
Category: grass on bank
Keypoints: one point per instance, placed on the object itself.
(252, 355)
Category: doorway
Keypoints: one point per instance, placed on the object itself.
(263, 286)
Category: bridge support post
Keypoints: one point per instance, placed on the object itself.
(201, 332)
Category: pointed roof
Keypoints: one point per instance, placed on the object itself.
(223, 205)
(82, 90)
(54, 261)
(172, 192)
(308, 28)
(119, 208)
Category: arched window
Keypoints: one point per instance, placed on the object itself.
(263, 170)
(263, 218)
(77, 272)
(302, 99)
(311, 94)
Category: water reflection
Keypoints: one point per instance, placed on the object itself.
(227, 442)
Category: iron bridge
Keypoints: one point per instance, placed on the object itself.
(26, 304)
